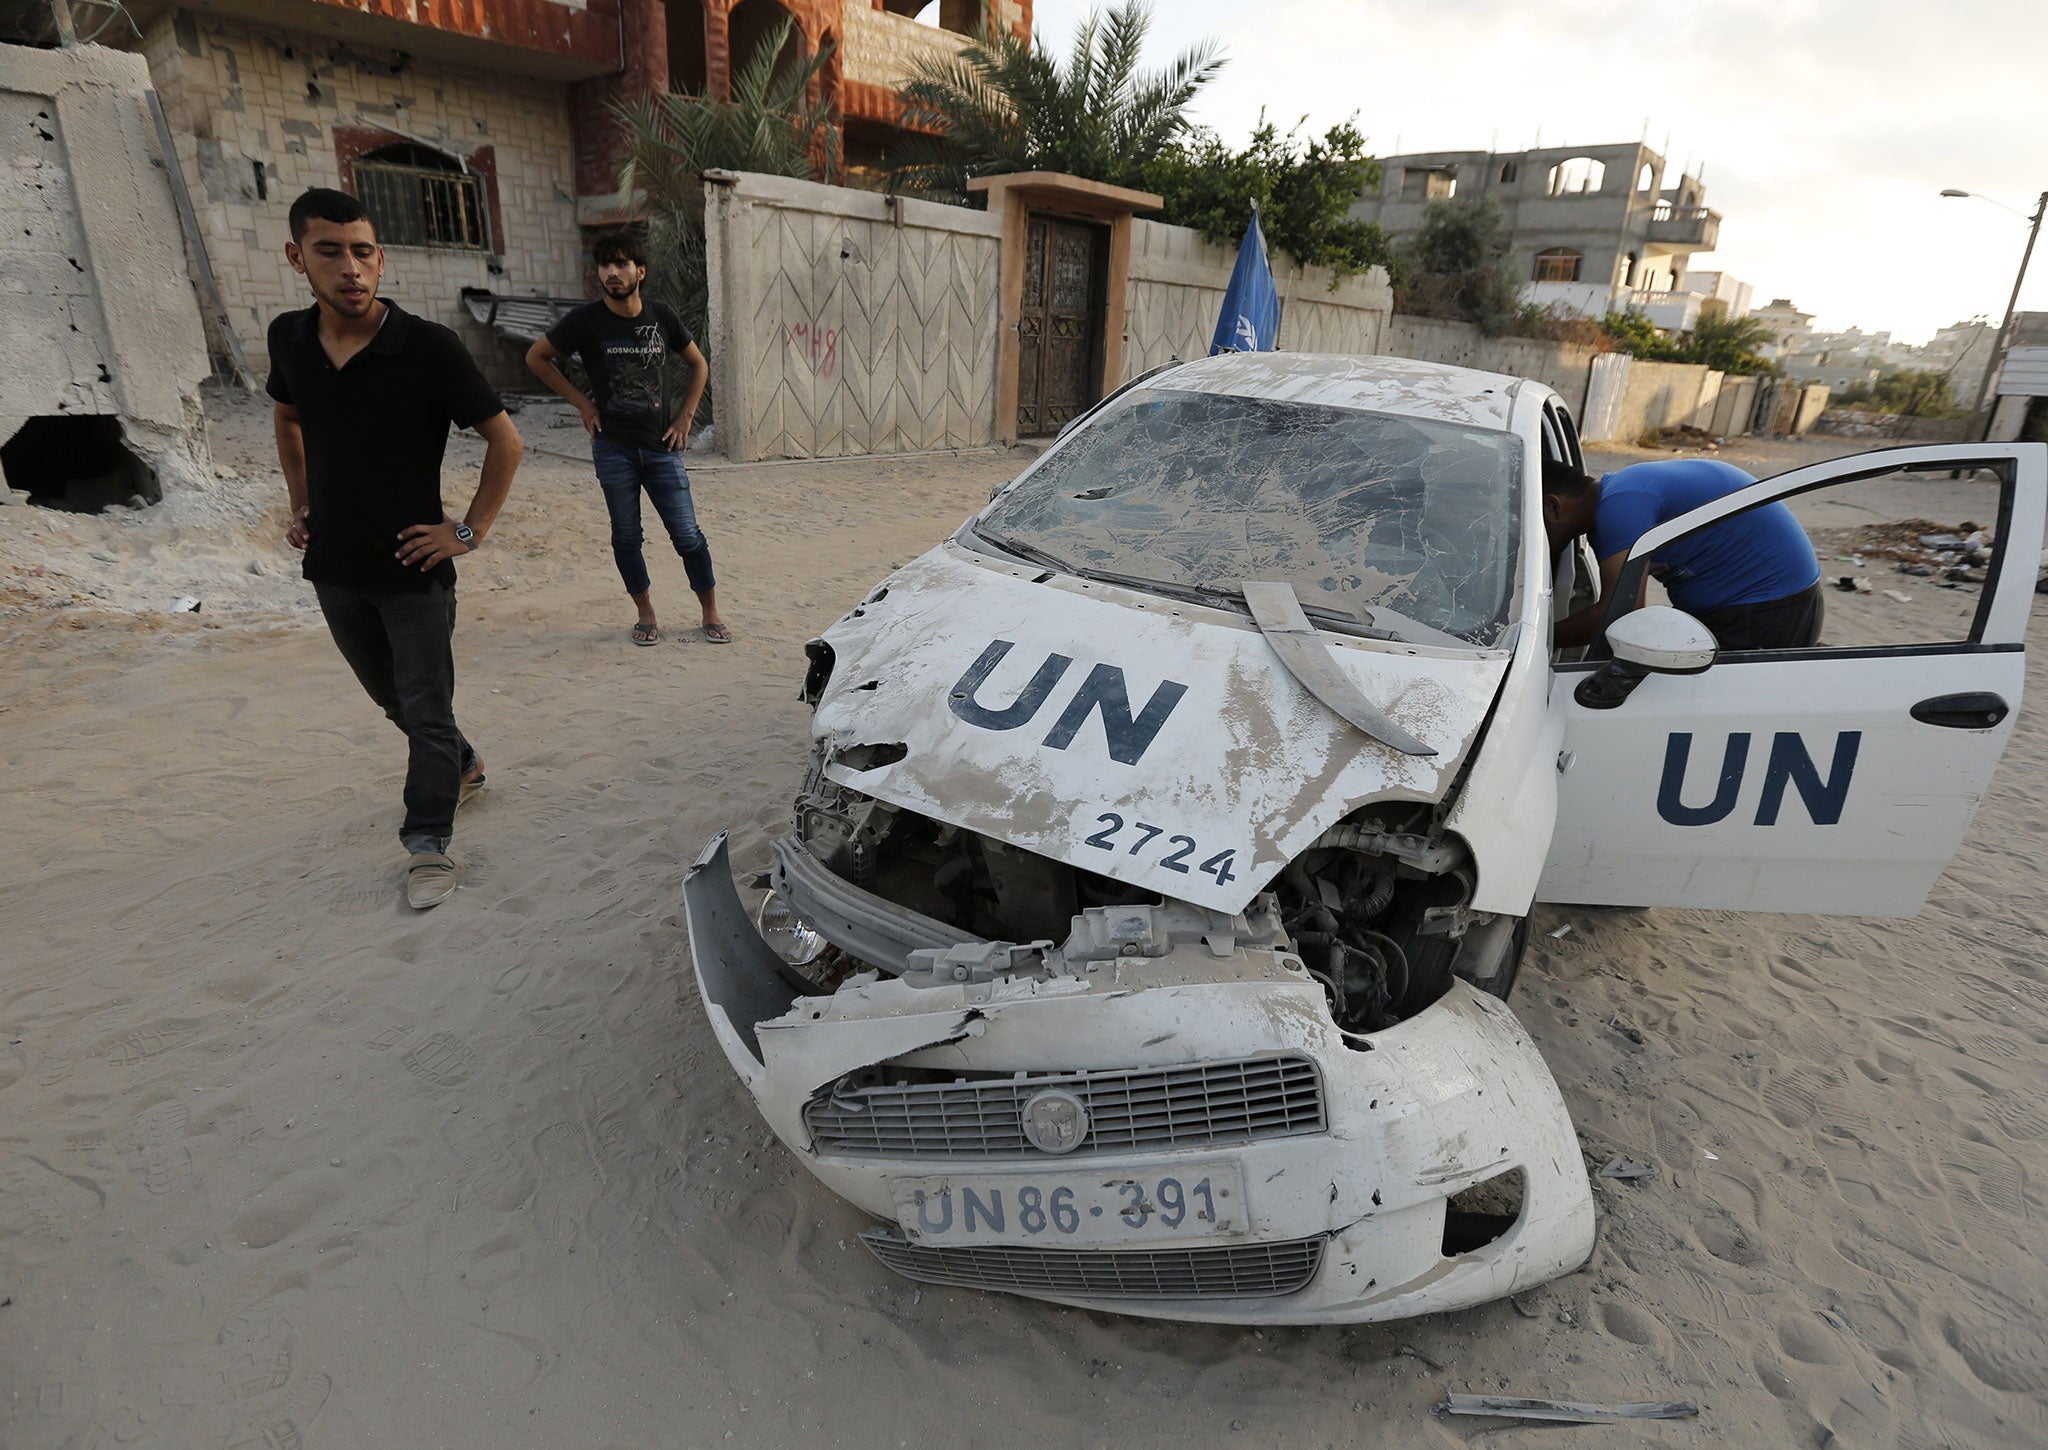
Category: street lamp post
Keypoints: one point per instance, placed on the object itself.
(2005, 328)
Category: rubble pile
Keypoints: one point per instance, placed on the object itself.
(1956, 557)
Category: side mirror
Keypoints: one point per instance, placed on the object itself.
(1657, 640)
(1662, 641)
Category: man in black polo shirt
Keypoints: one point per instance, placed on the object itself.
(365, 394)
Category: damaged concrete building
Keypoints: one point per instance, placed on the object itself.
(1589, 229)
(99, 384)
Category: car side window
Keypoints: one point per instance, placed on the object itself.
(1905, 558)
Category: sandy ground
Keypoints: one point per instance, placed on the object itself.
(283, 1163)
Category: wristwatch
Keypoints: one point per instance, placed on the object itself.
(466, 536)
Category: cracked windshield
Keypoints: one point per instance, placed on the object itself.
(1359, 512)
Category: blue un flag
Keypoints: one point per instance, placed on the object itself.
(1251, 309)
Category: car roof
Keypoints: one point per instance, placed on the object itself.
(1401, 385)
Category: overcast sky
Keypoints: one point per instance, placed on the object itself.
(1826, 128)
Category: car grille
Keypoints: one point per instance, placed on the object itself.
(1196, 1105)
(1230, 1271)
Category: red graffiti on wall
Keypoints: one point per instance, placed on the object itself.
(815, 345)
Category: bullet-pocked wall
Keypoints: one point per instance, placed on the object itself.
(474, 169)
(99, 378)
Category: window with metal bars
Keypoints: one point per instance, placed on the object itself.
(419, 197)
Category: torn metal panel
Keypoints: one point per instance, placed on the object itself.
(1294, 640)
(1158, 743)
(517, 319)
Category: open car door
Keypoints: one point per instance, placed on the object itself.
(1831, 780)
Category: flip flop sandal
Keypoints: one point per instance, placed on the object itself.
(430, 879)
(469, 788)
(717, 634)
(647, 634)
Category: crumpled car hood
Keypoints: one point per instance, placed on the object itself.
(1134, 736)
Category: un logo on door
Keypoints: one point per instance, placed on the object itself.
(1056, 1121)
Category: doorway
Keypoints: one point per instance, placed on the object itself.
(1059, 324)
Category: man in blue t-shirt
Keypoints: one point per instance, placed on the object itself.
(1752, 579)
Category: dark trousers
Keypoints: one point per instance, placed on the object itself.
(1793, 622)
(401, 646)
(624, 472)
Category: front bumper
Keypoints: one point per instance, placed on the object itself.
(1346, 1220)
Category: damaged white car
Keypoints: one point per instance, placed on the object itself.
(1164, 859)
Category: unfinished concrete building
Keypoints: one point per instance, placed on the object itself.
(1590, 229)
(481, 135)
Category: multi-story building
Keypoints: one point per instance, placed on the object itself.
(481, 134)
(1789, 327)
(1590, 228)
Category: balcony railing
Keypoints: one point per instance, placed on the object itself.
(1686, 226)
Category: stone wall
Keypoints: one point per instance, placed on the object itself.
(1562, 368)
(881, 47)
(1896, 427)
(845, 322)
(260, 114)
(101, 321)
(1175, 295)
(1663, 395)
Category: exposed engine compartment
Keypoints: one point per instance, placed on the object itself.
(1377, 909)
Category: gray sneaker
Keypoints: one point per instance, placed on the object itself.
(430, 879)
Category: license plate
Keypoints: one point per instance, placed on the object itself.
(1198, 1201)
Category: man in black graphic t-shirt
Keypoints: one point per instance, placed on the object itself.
(623, 341)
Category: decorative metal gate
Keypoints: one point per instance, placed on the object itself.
(1058, 354)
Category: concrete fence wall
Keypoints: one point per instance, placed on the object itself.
(845, 322)
(1460, 344)
(1896, 427)
(1177, 281)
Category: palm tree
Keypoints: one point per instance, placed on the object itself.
(777, 122)
(1002, 105)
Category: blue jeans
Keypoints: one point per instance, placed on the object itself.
(623, 471)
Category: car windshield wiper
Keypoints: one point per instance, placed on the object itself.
(1340, 619)
(1029, 553)
(1411, 631)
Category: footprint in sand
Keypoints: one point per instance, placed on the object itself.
(147, 1043)
(443, 1060)
(2004, 1351)
(363, 898)
(152, 1144)
(1725, 1240)
(45, 1206)
(286, 1430)
(1637, 1326)
(1808, 1340)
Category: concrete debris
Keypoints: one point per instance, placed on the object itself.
(1626, 1169)
(1897, 597)
(187, 605)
